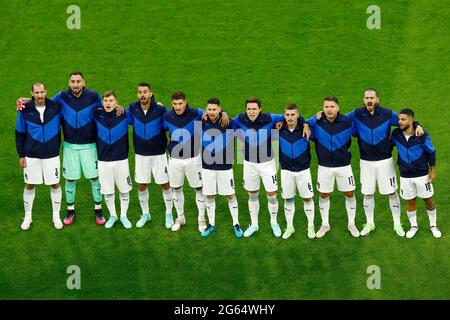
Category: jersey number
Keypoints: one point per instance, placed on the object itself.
(392, 181)
(351, 181)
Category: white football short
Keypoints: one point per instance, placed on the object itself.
(380, 172)
(343, 176)
(148, 166)
(218, 182)
(190, 168)
(411, 188)
(38, 171)
(114, 173)
(292, 181)
(254, 172)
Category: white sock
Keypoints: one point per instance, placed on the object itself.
(97, 206)
(369, 206)
(289, 210)
(350, 206)
(143, 201)
(233, 206)
(28, 199)
(200, 200)
(272, 204)
(56, 196)
(211, 210)
(308, 207)
(394, 203)
(253, 207)
(72, 207)
(124, 203)
(168, 200)
(432, 217)
(412, 216)
(324, 208)
(111, 204)
(178, 201)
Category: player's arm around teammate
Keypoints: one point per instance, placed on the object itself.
(112, 148)
(332, 137)
(217, 161)
(254, 128)
(38, 140)
(417, 164)
(372, 123)
(295, 159)
(150, 143)
(183, 124)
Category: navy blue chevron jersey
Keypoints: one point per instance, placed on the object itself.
(295, 154)
(373, 132)
(217, 145)
(415, 155)
(112, 131)
(257, 135)
(149, 135)
(35, 139)
(332, 140)
(185, 131)
(78, 115)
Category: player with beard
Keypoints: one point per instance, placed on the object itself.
(417, 164)
(150, 142)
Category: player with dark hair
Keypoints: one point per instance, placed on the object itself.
(184, 126)
(295, 159)
(150, 143)
(217, 161)
(417, 164)
(332, 135)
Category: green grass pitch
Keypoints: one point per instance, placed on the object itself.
(282, 51)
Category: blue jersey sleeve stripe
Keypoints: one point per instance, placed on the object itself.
(394, 119)
(277, 117)
(20, 123)
(428, 145)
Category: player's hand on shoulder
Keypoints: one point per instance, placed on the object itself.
(20, 103)
(278, 125)
(319, 115)
(119, 110)
(23, 162)
(419, 131)
(224, 119)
